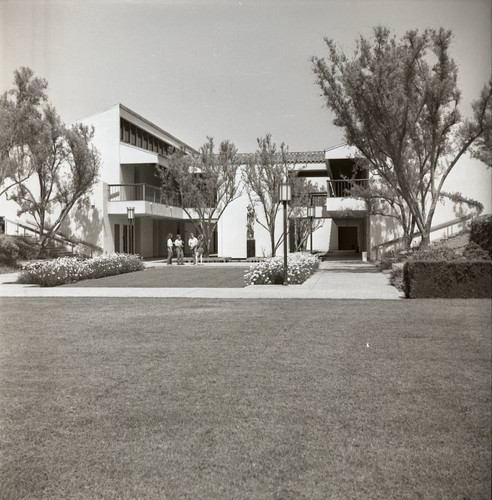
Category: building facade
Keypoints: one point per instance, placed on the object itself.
(131, 147)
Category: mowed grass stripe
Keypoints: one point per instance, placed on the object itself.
(126, 398)
(187, 276)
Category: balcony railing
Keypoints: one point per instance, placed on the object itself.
(136, 192)
(342, 188)
(318, 199)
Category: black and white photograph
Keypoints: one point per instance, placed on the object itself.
(245, 249)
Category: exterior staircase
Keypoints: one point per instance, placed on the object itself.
(341, 255)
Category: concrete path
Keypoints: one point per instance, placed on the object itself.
(334, 280)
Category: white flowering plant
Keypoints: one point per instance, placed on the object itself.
(300, 266)
(71, 269)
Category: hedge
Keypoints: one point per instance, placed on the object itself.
(457, 279)
(481, 233)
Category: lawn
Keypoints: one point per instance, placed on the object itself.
(174, 276)
(278, 399)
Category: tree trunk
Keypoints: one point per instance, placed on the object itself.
(425, 241)
(272, 242)
(407, 239)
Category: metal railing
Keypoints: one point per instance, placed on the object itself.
(136, 192)
(28, 230)
(318, 199)
(399, 243)
(342, 188)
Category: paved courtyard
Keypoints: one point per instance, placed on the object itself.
(334, 280)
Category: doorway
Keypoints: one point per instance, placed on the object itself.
(347, 238)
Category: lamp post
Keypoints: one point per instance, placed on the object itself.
(285, 196)
(131, 236)
(311, 212)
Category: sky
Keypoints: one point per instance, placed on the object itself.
(226, 69)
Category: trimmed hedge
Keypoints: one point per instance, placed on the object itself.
(457, 279)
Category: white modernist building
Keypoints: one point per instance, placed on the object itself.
(131, 146)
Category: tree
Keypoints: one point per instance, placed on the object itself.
(397, 103)
(301, 199)
(203, 185)
(381, 199)
(263, 174)
(20, 123)
(49, 167)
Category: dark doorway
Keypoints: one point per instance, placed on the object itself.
(125, 239)
(250, 248)
(347, 238)
(117, 238)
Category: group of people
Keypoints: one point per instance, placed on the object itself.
(196, 246)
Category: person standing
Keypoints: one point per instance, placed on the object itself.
(179, 250)
(199, 250)
(169, 249)
(192, 242)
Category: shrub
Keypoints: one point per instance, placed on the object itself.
(15, 247)
(396, 277)
(71, 269)
(457, 279)
(9, 251)
(435, 252)
(391, 257)
(473, 251)
(271, 271)
(481, 233)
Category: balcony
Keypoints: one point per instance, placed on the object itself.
(135, 192)
(147, 200)
(337, 201)
(341, 188)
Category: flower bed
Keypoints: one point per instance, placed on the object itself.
(300, 266)
(71, 269)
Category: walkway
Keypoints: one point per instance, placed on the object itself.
(333, 280)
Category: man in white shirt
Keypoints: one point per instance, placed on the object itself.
(169, 249)
(192, 242)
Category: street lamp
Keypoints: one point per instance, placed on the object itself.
(285, 196)
(311, 211)
(131, 236)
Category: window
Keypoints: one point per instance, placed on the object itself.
(134, 135)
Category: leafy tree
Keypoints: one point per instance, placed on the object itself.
(482, 147)
(397, 102)
(302, 226)
(21, 121)
(203, 185)
(263, 174)
(49, 166)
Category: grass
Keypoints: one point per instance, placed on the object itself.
(174, 277)
(125, 398)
